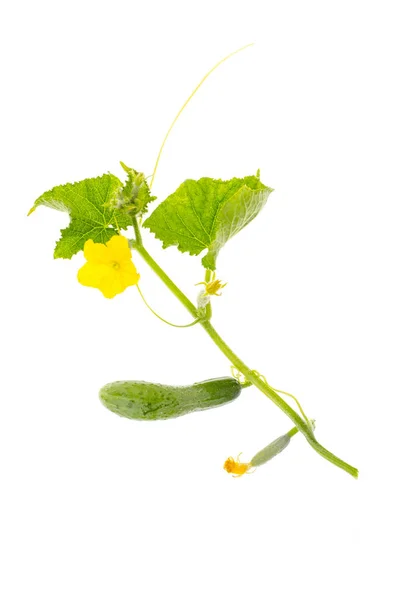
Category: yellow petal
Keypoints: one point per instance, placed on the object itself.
(236, 467)
(96, 253)
(109, 268)
(111, 285)
(119, 249)
(92, 274)
(128, 273)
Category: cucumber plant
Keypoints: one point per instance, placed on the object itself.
(200, 217)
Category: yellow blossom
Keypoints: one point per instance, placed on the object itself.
(236, 467)
(212, 287)
(109, 266)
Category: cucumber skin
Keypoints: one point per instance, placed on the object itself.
(151, 401)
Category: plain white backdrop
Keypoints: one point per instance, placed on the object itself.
(95, 506)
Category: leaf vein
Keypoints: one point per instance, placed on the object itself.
(189, 230)
(178, 233)
(198, 218)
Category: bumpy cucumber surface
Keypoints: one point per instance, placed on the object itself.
(151, 401)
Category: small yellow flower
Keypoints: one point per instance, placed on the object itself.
(236, 467)
(212, 287)
(109, 266)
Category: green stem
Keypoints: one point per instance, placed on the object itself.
(249, 375)
(253, 378)
(164, 278)
(290, 395)
(138, 237)
(208, 307)
(292, 432)
(278, 401)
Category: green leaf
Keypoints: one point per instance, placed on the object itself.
(92, 216)
(205, 214)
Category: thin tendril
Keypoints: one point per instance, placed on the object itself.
(308, 421)
(161, 318)
(187, 102)
(244, 383)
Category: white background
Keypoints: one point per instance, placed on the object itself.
(95, 506)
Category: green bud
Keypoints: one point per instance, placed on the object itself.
(135, 195)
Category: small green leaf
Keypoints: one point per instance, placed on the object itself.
(89, 204)
(205, 214)
(135, 195)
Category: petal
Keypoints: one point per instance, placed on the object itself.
(119, 249)
(91, 274)
(112, 284)
(96, 253)
(128, 273)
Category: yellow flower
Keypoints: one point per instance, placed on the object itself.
(236, 467)
(212, 287)
(109, 266)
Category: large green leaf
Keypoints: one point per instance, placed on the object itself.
(205, 214)
(90, 204)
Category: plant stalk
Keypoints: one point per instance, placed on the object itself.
(249, 375)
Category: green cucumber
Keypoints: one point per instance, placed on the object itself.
(150, 401)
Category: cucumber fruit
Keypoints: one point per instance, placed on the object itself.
(150, 401)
